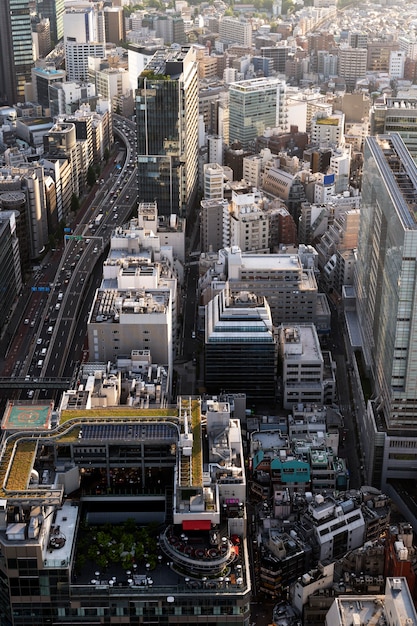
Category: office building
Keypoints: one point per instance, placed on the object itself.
(408, 43)
(69, 499)
(303, 105)
(307, 372)
(396, 64)
(240, 349)
(214, 224)
(379, 53)
(10, 266)
(278, 55)
(385, 285)
(114, 24)
(64, 97)
(16, 51)
(167, 131)
(54, 11)
(113, 84)
(170, 28)
(41, 35)
(396, 115)
(215, 177)
(42, 79)
(25, 188)
(136, 306)
(61, 142)
(255, 105)
(84, 36)
(289, 287)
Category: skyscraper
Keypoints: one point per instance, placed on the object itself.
(387, 307)
(16, 53)
(54, 10)
(167, 131)
(255, 105)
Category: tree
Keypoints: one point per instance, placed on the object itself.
(91, 176)
(75, 203)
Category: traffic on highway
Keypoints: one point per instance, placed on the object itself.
(43, 356)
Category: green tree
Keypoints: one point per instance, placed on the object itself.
(75, 203)
(91, 176)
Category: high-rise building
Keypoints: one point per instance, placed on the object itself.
(42, 79)
(232, 30)
(114, 24)
(352, 64)
(84, 36)
(16, 52)
(54, 10)
(387, 309)
(396, 115)
(11, 273)
(255, 105)
(41, 38)
(167, 131)
(240, 349)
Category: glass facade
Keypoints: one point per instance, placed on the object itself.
(9, 278)
(167, 135)
(54, 10)
(16, 53)
(386, 277)
(254, 105)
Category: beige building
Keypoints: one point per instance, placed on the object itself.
(249, 224)
(352, 64)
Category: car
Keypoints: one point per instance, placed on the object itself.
(26, 321)
(193, 334)
(39, 341)
(30, 393)
(95, 250)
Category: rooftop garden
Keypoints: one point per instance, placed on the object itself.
(125, 544)
(197, 456)
(328, 121)
(21, 465)
(118, 412)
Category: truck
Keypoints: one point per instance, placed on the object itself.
(98, 219)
